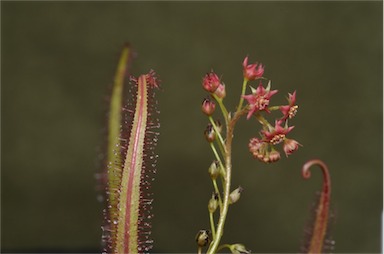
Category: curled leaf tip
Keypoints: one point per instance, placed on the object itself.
(317, 237)
(306, 173)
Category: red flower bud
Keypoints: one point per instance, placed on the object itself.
(220, 91)
(211, 82)
(208, 107)
(252, 71)
(274, 156)
(290, 145)
(209, 133)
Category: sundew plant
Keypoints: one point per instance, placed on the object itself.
(130, 160)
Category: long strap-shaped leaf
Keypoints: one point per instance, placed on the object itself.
(114, 137)
(127, 234)
(131, 160)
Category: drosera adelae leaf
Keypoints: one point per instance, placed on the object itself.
(112, 173)
(114, 137)
(135, 206)
(317, 233)
(131, 160)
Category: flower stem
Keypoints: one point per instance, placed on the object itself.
(215, 152)
(245, 81)
(222, 107)
(274, 108)
(218, 193)
(224, 246)
(222, 169)
(211, 220)
(227, 182)
(262, 120)
(218, 134)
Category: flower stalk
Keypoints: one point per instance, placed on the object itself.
(244, 86)
(264, 148)
(227, 181)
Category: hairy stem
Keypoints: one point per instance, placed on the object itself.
(227, 181)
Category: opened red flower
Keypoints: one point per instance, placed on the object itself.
(259, 99)
(290, 110)
(252, 71)
(277, 134)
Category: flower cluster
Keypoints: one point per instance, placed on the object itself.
(220, 142)
(258, 101)
(264, 148)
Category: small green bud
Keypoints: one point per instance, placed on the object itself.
(202, 238)
(235, 195)
(239, 249)
(213, 203)
(214, 170)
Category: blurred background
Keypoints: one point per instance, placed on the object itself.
(59, 58)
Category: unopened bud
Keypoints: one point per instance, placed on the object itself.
(290, 146)
(220, 91)
(214, 170)
(235, 195)
(239, 249)
(210, 82)
(274, 156)
(209, 133)
(202, 238)
(213, 203)
(208, 107)
(266, 159)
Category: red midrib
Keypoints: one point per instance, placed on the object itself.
(132, 169)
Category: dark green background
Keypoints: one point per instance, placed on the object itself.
(59, 57)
